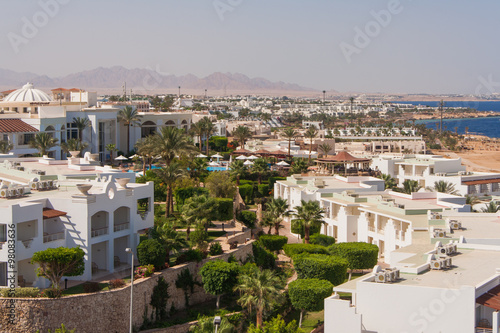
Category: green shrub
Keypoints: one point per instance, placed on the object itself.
(218, 143)
(20, 292)
(247, 217)
(263, 189)
(273, 180)
(151, 252)
(225, 209)
(52, 293)
(358, 254)
(198, 237)
(320, 266)
(273, 242)
(262, 257)
(215, 249)
(246, 192)
(294, 249)
(91, 287)
(184, 193)
(190, 255)
(116, 283)
(144, 271)
(246, 182)
(322, 240)
(236, 318)
(297, 228)
(308, 294)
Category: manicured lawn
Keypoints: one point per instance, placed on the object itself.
(79, 288)
(310, 320)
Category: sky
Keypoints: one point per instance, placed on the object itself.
(395, 46)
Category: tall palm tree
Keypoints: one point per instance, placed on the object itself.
(146, 148)
(73, 145)
(237, 170)
(241, 134)
(290, 134)
(308, 214)
(325, 148)
(351, 99)
(198, 130)
(111, 147)
(208, 130)
(260, 167)
(277, 209)
(81, 123)
(129, 116)
(444, 187)
(5, 146)
(43, 142)
(171, 240)
(168, 175)
(310, 134)
(172, 142)
(197, 167)
(260, 290)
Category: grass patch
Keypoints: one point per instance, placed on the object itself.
(78, 289)
(310, 321)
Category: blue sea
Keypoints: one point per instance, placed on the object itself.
(489, 126)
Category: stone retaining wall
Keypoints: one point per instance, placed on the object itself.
(107, 311)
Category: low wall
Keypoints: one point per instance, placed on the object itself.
(108, 311)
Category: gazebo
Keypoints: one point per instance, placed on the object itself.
(327, 165)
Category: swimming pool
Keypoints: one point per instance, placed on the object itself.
(216, 169)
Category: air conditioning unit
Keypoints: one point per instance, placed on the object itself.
(455, 225)
(436, 264)
(35, 185)
(439, 234)
(446, 262)
(3, 193)
(442, 250)
(380, 277)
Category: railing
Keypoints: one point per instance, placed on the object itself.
(370, 228)
(121, 226)
(99, 232)
(27, 243)
(381, 231)
(53, 237)
(484, 330)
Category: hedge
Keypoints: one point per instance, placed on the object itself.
(248, 218)
(20, 292)
(218, 143)
(184, 193)
(321, 266)
(273, 242)
(225, 209)
(294, 249)
(273, 180)
(246, 192)
(358, 254)
(308, 294)
(262, 257)
(322, 240)
(263, 190)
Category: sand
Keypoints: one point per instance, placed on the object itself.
(477, 160)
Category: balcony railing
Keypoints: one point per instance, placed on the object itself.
(99, 232)
(53, 237)
(381, 231)
(484, 330)
(121, 226)
(370, 228)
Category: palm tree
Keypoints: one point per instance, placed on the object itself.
(172, 142)
(73, 145)
(111, 147)
(260, 290)
(171, 240)
(492, 207)
(168, 175)
(237, 170)
(208, 130)
(308, 214)
(471, 200)
(325, 148)
(81, 124)
(129, 116)
(43, 142)
(444, 187)
(390, 182)
(199, 210)
(410, 186)
(198, 130)
(290, 134)
(298, 166)
(206, 325)
(310, 134)
(241, 134)
(197, 166)
(351, 99)
(5, 146)
(147, 149)
(277, 209)
(260, 167)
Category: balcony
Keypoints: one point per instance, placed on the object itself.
(121, 226)
(53, 237)
(99, 232)
(371, 228)
(484, 330)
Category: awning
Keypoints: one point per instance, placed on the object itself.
(490, 299)
(49, 213)
(482, 181)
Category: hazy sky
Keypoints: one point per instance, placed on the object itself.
(421, 46)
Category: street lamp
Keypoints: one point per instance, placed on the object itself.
(129, 250)
(217, 321)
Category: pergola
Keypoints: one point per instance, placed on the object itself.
(327, 165)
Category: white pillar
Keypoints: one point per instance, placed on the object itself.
(496, 321)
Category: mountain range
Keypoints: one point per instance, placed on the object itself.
(146, 81)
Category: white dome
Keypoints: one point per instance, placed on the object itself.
(27, 93)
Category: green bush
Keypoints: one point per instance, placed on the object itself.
(150, 251)
(184, 193)
(308, 294)
(322, 240)
(218, 143)
(215, 249)
(294, 249)
(320, 266)
(358, 254)
(52, 293)
(297, 228)
(262, 257)
(225, 209)
(190, 255)
(198, 237)
(246, 192)
(273, 242)
(246, 182)
(20, 292)
(248, 218)
(263, 190)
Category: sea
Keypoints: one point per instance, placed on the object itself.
(489, 126)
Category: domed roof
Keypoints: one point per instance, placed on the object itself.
(27, 93)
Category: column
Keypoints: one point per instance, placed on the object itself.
(495, 321)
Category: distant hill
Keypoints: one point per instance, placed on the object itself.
(147, 81)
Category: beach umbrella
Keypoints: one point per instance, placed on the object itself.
(201, 155)
(121, 158)
(213, 164)
(217, 156)
(241, 157)
(252, 157)
(248, 163)
(134, 156)
(282, 163)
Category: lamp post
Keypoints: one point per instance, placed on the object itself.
(217, 321)
(129, 250)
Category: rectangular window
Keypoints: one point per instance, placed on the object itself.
(3, 233)
(27, 138)
(71, 131)
(5, 137)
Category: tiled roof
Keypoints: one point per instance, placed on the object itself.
(7, 91)
(490, 299)
(14, 126)
(49, 213)
(481, 181)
